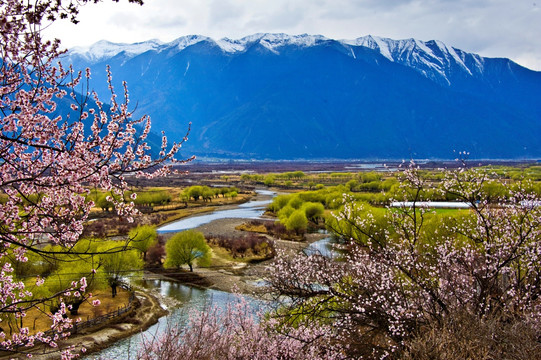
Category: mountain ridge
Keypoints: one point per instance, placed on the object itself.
(394, 50)
(308, 96)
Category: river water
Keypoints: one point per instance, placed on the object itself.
(322, 247)
(189, 297)
(248, 210)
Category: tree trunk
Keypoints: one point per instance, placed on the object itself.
(191, 267)
(113, 290)
(75, 308)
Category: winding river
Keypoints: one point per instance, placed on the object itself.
(249, 210)
(189, 297)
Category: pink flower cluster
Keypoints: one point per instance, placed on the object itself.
(406, 270)
(236, 333)
(48, 162)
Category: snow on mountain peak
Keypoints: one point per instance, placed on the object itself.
(183, 42)
(268, 40)
(372, 42)
(431, 58)
(105, 49)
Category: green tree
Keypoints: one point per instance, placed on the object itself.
(185, 197)
(142, 238)
(103, 203)
(298, 174)
(207, 193)
(295, 202)
(116, 261)
(269, 180)
(72, 268)
(313, 211)
(285, 213)
(185, 248)
(195, 192)
(351, 185)
(297, 221)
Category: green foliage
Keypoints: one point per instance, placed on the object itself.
(313, 211)
(185, 248)
(152, 198)
(195, 192)
(367, 177)
(36, 265)
(269, 180)
(295, 202)
(279, 202)
(206, 193)
(285, 213)
(375, 217)
(372, 186)
(142, 238)
(103, 203)
(70, 268)
(352, 184)
(115, 261)
(297, 221)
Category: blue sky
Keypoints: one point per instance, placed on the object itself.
(492, 28)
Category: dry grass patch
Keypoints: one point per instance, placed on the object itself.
(38, 319)
(257, 228)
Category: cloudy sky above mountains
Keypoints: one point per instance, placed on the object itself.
(492, 28)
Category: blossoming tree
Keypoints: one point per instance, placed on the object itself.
(409, 283)
(57, 140)
(411, 270)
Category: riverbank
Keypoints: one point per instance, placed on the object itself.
(245, 278)
(239, 277)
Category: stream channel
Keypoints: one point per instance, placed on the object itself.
(188, 297)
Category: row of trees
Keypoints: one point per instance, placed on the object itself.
(105, 200)
(206, 193)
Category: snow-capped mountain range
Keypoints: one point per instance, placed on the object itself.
(427, 57)
(319, 97)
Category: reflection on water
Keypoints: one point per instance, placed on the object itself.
(189, 297)
(322, 247)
